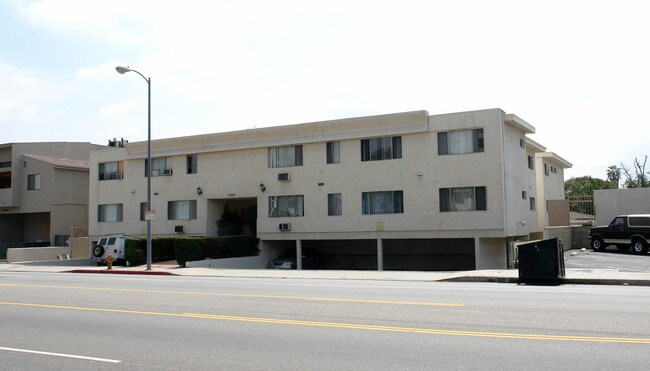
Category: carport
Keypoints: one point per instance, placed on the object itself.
(446, 254)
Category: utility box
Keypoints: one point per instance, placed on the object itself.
(541, 262)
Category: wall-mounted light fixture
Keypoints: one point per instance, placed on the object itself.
(199, 191)
(262, 187)
(523, 222)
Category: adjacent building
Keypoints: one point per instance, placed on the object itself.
(403, 191)
(43, 192)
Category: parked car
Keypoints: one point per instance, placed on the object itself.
(287, 260)
(113, 245)
(624, 231)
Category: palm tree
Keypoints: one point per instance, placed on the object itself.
(614, 175)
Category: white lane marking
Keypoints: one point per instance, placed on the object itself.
(61, 355)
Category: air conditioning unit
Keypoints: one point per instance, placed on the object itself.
(283, 176)
(285, 227)
(167, 172)
(179, 229)
(119, 176)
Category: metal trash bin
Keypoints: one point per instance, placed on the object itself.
(541, 262)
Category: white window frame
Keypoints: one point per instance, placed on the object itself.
(382, 202)
(383, 148)
(334, 204)
(333, 152)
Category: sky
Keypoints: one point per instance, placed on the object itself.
(578, 71)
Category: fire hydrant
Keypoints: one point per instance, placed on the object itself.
(109, 261)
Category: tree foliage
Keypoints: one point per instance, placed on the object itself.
(585, 186)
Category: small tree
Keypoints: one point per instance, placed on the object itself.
(229, 224)
(640, 179)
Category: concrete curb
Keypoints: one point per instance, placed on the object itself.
(118, 271)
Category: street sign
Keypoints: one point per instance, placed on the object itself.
(149, 215)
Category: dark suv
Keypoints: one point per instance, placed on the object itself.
(624, 231)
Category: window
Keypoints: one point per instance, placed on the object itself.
(386, 148)
(334, 204)
(33, 182)
(522, 142)
(158, 167)
(389, 202)
(531, 163)
(143, 208)
(533, 204)
(285, 156)
(546, 169)
(181, 210)
(460, 142)
(5, 180)
(109, 213)
(463, 199)
(524, 195)
(192, 163)
(333, 152)
(286, 206)
(110, 170)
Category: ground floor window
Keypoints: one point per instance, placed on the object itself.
(181, 210)
(384, 202)
(463, 199)
(283, 206)
(109, 213)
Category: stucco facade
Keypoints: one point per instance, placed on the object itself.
(389, 191)
(43, 192)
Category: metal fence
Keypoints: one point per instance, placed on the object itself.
(581, 210)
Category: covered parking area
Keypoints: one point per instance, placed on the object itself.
(441, 254)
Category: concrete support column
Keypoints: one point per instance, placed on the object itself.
(380, 254)
(298, 254)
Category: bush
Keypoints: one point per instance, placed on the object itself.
(189, 249)
(135, 251)
(163, 249)
(231, 247)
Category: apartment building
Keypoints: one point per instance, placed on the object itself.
(402, 191)
(43, 192)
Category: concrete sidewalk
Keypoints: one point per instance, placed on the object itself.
(573, 276)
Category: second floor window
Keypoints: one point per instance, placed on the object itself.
(286, 206)
(109, 213)
(333, 152)
(33, 182)
(460, 142)
(285, 156)
(192, 164)
(386, 148)
(387, 202)
(158, 167)
(109, 170)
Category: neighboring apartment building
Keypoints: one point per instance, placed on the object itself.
(405, 191)
(43, 192)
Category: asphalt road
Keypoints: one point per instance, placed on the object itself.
(183, 323)
(608, 259)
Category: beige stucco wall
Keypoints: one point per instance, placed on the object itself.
(231, 166)
(36, 253)
(609, 203)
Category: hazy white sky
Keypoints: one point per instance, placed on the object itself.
(579, 71)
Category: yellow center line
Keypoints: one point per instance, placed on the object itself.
(254, 296)
(352, 326)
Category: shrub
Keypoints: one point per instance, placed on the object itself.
(135, 251)
(189, 249)
(231, 247)
(163, 249)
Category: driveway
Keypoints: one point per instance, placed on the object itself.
(609, 259)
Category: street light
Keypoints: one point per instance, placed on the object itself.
(123, 70)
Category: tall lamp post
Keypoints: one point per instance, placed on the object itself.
(123, 70)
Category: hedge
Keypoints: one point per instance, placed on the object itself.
(190, 248)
